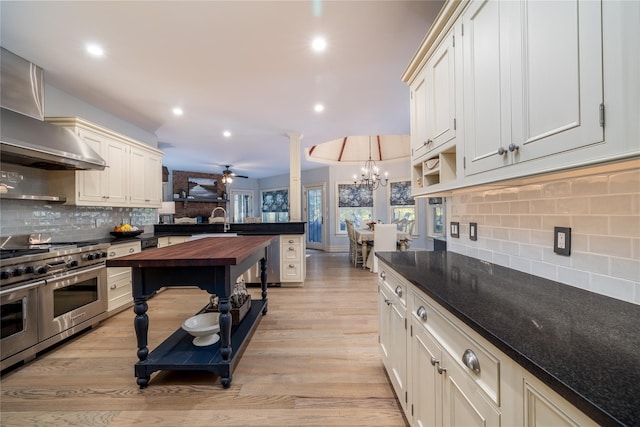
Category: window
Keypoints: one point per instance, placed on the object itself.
(402, 206)
(355, 203)
(275, 205)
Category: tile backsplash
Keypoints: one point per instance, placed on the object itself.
(515, 229)
(69, 223)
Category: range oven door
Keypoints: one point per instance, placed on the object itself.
(69, 300)
(19, 318)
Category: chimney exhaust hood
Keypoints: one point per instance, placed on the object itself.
(26, 139)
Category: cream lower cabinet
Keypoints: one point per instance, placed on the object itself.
(119, 284)
(292, 259)
(171, 240)
(445, 374)
(393, 331)
(132, 178)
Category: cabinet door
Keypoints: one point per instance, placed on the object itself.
(441, 96)
(117, 174)
(146, 178)
(556, 106)
(463, 403)
(426, 383)
(486, 86)
(419, 94)
(92, 185)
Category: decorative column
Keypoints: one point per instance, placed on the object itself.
(295, 184)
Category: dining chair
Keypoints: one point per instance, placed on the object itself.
(355, 248)
(385, 237)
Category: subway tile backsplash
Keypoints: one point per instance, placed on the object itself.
(515, 229)
(69, 223)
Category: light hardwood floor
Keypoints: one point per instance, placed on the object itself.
(313, 361)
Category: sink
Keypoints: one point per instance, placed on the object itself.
(203, 235)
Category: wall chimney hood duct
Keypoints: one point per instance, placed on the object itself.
(27, 140)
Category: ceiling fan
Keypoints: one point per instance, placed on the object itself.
(228, 175)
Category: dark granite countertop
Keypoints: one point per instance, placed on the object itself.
(583, 345)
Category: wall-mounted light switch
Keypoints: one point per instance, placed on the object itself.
(562, 240)
(473, 230)
(455, 229)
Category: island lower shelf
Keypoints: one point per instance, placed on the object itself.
(178, 352)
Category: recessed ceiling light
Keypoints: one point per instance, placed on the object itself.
(95, 49)
(226, 134)
(318, 108)
(319, 44)
(177, 111)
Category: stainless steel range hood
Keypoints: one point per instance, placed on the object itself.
(27, 140)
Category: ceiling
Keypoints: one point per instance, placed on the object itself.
(242, 66)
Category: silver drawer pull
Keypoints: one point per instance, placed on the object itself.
(131, 250)
(291, 265)
(290, 241)
(112, 253)
(388, 301)
(383, 275)
(398, 290)
(434, 361)
(422, 313)
(470, 359)
(291, 249)
(441, 370)
(113, 286)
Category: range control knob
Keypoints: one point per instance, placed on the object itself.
(28, 269)
(87, 257)
(42, 269)
(4, 275)
(103, 254)
(18, 271)
(72, 263)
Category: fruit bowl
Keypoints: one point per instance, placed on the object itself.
(126, 233)
(204, 327)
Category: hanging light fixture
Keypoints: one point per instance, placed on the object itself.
(226, 179)
(370, 175)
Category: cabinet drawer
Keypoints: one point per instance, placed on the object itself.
(122, 249)
(393, 283)
(291, 252)
(291, 272)
(464, 349)
(115, 274)
(119, 293)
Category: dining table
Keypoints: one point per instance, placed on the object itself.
(365, 235)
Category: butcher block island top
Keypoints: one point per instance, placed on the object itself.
(213, 264)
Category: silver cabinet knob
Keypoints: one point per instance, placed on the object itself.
(131, 250)
(422, 313)
(291, 248)
(434, 361)
(290, 241)
(470, 360)
(291, 265)
(388, 301)
(383, 275)
(398, 290)
(113, 286)
(441, 370)
(502, 151)
(513, 147)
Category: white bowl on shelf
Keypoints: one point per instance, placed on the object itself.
(204, 327)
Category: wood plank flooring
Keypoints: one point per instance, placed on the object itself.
(313, 361)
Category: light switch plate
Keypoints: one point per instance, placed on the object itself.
(562, 240)
(455, 229)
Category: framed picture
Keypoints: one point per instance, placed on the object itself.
(202, 189)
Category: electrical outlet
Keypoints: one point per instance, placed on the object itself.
(562, 240)
(473, 230)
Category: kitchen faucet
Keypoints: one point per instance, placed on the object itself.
(227, 226)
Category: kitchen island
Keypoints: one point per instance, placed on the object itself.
(212, 264)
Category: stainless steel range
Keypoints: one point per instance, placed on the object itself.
(49, 292)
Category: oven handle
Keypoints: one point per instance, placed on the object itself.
(23, 287)
(76, 272)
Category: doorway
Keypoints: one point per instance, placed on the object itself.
(242, 205)
(314, 214)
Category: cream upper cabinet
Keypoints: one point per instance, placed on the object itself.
(132, 178)
(146, 173)
(533, 82)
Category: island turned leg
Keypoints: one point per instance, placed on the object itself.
(263, 283)
(141, 325)
(225, 321)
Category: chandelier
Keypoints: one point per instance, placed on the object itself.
(370, 175)
(226, 179)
